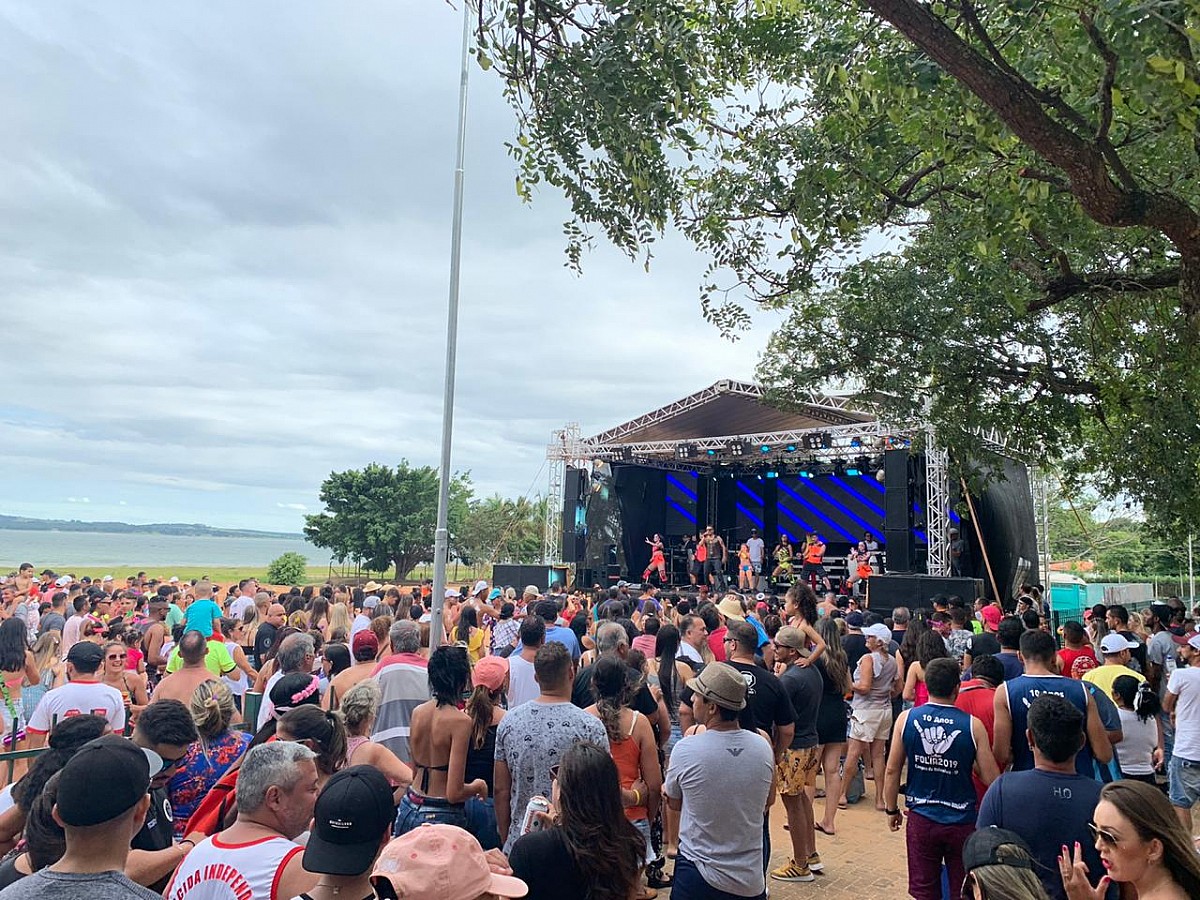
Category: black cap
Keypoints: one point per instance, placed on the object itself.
(352, 814)
(86, 653)
(982, 848)
(105, 778)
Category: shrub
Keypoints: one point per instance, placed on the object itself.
(290, 568)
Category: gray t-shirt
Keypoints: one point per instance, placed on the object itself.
(48, 885)
(804, 689)
(1160, 651)
(531, 739)
(723, 779)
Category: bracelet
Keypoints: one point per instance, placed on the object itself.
(892, 812)
(637, 797)
(188, 841)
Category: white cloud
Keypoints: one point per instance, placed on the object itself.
(296, 506)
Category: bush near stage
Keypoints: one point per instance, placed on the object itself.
(290, 568)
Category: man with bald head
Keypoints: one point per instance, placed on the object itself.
(264, 639)
(180, 684)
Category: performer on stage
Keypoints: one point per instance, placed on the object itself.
(716, 555)
(745, 568)
(783, 558)
(814, 560)
(699, 555)
(658, 562)
(689, 549)
(858, 565)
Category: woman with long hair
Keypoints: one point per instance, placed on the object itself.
(321, 731)
(438, 739)
(833, 719)
(1004, 869)
(593, 851)
(800, 611)
(486, 710)
(359, 708)
(17, 668)
(131, 685)
(47, 659)
(339, 618)
(318, 615)
(1141, 843)
(1141, 749)
(234, 633)
(219, 747)
(630, 742)
(907, 653)
(468, 632)
(669, 676)
(930, 646)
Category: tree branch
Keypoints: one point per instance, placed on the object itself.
(1071, 285)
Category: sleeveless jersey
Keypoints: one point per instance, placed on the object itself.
(216, 870)
(940, 748)
(1022, 691)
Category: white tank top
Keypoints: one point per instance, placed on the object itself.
(216, 870)
(239, 687)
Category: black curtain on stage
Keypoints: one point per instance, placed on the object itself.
(642, 496)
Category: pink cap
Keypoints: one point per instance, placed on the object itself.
(490, 672)
(441, 862)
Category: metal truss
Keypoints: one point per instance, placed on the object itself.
(937, 505)
(562, 441)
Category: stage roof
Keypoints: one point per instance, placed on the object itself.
(730, 408)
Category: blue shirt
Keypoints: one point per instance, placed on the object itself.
(1012, 665)
(1022, 691)
(201, 616)
(566, 637)
(940, 748)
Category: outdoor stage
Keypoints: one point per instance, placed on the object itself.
(725, 458)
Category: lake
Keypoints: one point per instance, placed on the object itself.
(147, 551)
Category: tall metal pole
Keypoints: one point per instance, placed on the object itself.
(1191, 577)
(441, 537)
(1045, 573)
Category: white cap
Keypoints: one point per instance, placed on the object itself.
(1115, 643)
(480, 586)
(451, 592)
(174, 579)
(1194, 642)
(106, 578)
(62, 581)
(879, 632)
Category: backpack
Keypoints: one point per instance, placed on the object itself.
(209, 816)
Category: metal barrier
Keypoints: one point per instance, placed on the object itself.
(251, 704)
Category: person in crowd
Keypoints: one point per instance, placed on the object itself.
(1076, 646)
(942, 748)
(209, 757)
(1009, 633)
(833, 719)
(264, 638)
(99, 816)
(693, 642)
(854, 642)
(522, 686)
(1117, 618)
(490, 677)
(343, 856)
(168, 731)
(1140, 751)
(1182, 703)
(669, 675)
(297, 654)
(533, 736)
(875, 683)
(83, 691)
(257, 858)
(17, 667)
(999, 866)
(958, 639)
(505, 634)
(1116, 652)
(796, 768)
(233, 634)
(404, 681)
(155, 636)
(468, 632)
(612, 640)
(1141, 844)
(321, 731)
(1009, 744)
(1051, 804)
(800, 612)
(43, 838)
(441, 733)
(47, 659)
(631, 743)
(548, 611)
(359, 709)
(591, 849)
(930, 646)
(202, 614)
(364, 650)
(182, 683)
(435, 862)
(130, 685)
(721, 806)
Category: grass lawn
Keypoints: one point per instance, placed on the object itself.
(229, 574)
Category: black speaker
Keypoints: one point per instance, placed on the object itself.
(612, 574)
(899, 549)
(886, 592)
(518, 577)
(574, 517)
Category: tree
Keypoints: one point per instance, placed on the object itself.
(1031, 166)
(499, 530)
(288, 568)
(384, 517)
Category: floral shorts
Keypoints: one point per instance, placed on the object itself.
(797, 770)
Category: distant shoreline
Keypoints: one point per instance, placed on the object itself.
(174, 529)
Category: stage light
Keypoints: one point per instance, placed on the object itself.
(805, 473)
(685, 451)
(624, 453)
(772, 474)
(855, 442)
(790, 448)
(765, 448)
(736, 448)
(839, 467)
(711, 452)
(853, 472)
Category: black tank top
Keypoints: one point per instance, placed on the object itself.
(481, 763)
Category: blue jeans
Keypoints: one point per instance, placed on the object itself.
(481, 822)
(690, 885)
(416, 810)
(1184, 780)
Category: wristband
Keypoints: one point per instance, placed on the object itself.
(637, 797)
(892, 812)
(188, 841)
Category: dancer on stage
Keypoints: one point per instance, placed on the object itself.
(814, 561)
(716, 555)
(858, 565)
(745, 568)
(658, 562)
(690, 542)
(783, 559)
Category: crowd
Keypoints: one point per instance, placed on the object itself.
(582, 745)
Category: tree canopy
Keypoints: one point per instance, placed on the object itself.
(501, 530)
(983, 211)
(384, 516)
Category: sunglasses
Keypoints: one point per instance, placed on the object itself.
(169, 764)
(1099, 834)
(116, 656)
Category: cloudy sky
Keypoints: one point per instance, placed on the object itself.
(225, 257)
